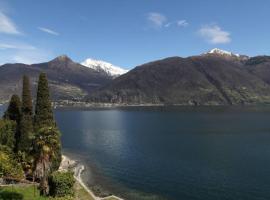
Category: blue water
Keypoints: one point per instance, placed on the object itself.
(203, 153)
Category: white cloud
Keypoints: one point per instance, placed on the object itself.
(156, 19)
(182, 23)
(19, 52)
(5, 46)
(7, 26)
(47, 30)
(179, 23)
(214, 34)
(31, 57)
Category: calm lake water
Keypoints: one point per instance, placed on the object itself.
(202, 153)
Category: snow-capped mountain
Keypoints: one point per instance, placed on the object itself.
(105, 67)
(221, 52)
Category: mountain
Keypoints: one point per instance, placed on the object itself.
(220, 52)
(104, 67)
(67, 79)
(217, 77)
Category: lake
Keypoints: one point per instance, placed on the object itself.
(190, 153)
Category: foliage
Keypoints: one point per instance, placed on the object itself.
(9, 166)
(26, 161)
(47, 147)
(26, 133)
(14, 109)
(61, 184)
(36, 139)
(27, 107)
(7, 133)
(43, 112)
(13, 113)
(26, 123)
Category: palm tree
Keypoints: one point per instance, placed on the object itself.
(46, 145)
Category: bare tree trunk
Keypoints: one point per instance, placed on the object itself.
(43, 168)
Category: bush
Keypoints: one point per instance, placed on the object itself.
(61, 184)
(9, 166)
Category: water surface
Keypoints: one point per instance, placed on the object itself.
(205, 153)
(202, 153)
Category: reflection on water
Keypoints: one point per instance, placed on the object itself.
(184, 153)
(204, 153)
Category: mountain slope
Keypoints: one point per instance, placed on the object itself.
(208, 79)
(104, 67)
(67, 79)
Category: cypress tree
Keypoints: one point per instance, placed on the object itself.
(43, 111)
(27, 107)
(13, 111)
(47, 149)
(26, 124)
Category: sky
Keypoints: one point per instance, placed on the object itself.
(128, 33)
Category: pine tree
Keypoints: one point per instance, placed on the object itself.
(43, 111)
(26, 123)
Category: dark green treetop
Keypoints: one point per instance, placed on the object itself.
(27, 107)
(7, 133)
(26, 123)
(13, 111)
(43, 111)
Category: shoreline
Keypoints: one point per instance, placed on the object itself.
(69, 164)
(108, 106)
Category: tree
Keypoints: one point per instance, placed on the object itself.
(47, 145)
(46, 141)
(27, 107)
(26, 123)
(7, 133)
(13, 111)
(43, 111)
(44, 115)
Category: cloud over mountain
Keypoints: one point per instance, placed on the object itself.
(214, 34)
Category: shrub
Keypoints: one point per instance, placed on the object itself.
(61, 184)
(9, 167)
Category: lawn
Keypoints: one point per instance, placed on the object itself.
(30, 192)
(20, 192)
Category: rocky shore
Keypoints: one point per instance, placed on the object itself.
(78, 169)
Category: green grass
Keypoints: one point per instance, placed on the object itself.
(30, 192)
(20, 192)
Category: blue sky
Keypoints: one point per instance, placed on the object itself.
(128, 33)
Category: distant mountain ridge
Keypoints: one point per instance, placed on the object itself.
(105, 67)
(217, 77)
(225, 53)
(68, 80)
(222, 52)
